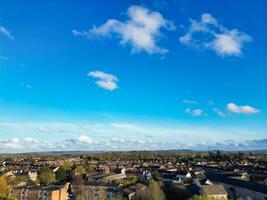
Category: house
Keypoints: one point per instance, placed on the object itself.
(183, 176)
(214, 191)
(171, 170)
(237, 186)
(55, 170)
(40, 193)
(94, 178)
(120, 170)
(131, 191)
(103, 169)
(94, 191)
(33, 176)
(113, 177)
(199, 175)
(146, 175)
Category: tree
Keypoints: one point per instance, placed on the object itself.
(157, 176)
(67, 165)
(152, 192)
(61, 174)
(127, 181)
(78, 180)
(46, 176)
(80, 170)
(4, 189)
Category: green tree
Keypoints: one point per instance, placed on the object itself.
(67, 165)
(80, 170)
(157, 176)
(127, 181)
(61, 174)
(46, 176)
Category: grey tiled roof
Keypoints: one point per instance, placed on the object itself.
(214, 190)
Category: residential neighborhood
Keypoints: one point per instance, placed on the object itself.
(134, 175)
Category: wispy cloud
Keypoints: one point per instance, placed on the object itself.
(116, 144)
(209, 34)
(219, 112)
(3, 57)
(6, 33)
(11, 144)
(26, 85)
(142, 30)
(122, 125)
(187, 101)
(117, 136)
(106, 81)
(195, 112)
(239, 109)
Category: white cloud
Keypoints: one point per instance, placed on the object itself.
(120, 144)
(106, 81)
(26, 85)
(209, 34)
(6, 33)
(210, 103)
(85, 139)
(219, 112)
(232, 107)
(194, 112)
(187, 101)
(142, 30)
(121, 125)
(125, 136)
(12, 144)
(31, 140)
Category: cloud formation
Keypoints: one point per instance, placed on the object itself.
(6, 33)
(187, 101)
(142, 30)
(106, 81)
(118, 144)
(120, 136)
(209, 34)
(14, 143)
(236, 109)
(194, 112)
(85, 139)
(219, 112)
(26, 85)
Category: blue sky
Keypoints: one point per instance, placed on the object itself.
(133, 75)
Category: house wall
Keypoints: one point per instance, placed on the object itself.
(60, 194)
(114, 177)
